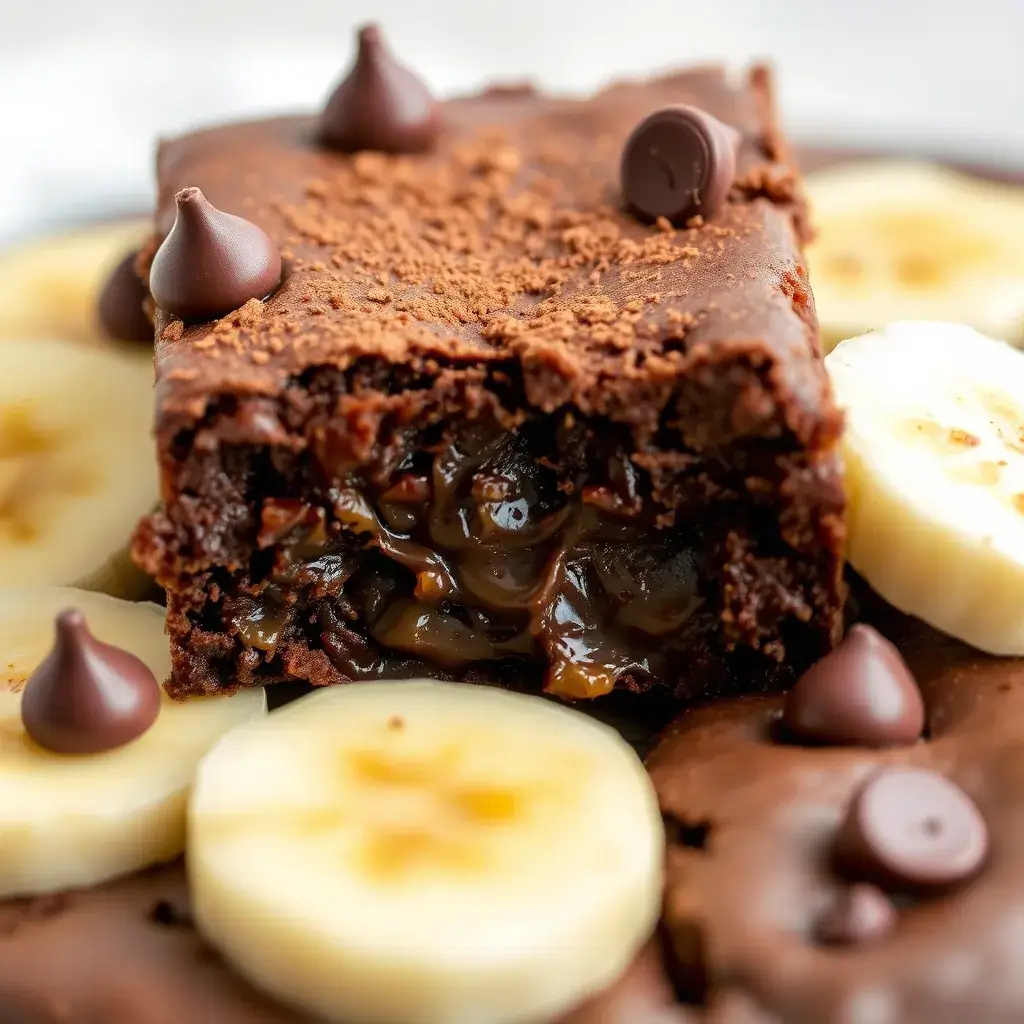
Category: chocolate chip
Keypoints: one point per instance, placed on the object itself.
(119, 308)
(909, 829)
(211, 262)
(381, 105)
(861, 694)
(677, 163)
(86, 696)
(862, 914)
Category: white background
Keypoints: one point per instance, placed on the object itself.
(86, 85)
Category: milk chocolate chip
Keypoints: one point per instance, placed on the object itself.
(211, 262)
(861, 694)
(86, 696)
(862, 914)
(911, 829)
(381, 105)
(677, 163)
(119, 308)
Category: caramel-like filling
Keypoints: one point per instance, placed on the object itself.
(485, 552)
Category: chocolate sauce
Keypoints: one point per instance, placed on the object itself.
(487, 553)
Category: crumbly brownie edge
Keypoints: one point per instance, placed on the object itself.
(778, 505)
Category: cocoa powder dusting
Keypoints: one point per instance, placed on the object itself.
(474, 253)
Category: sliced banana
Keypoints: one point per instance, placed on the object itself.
(49, 289)
(903, 240)
(425, 853)
(934, 453)
(73, 821)
(77, 468)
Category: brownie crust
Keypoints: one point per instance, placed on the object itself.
(659, 389)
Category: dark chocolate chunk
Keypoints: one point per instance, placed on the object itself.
(862, 914)
(381, 105)
(861, 694)
(679, 162)
(86, 696)
(912, 829)
(211, 262)
(119, 309)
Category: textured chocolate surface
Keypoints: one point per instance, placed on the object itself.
(127, 953)
(497, 282)
(749, 892)
(123, 952)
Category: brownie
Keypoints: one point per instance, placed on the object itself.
(118, 953)
(491, 425)
(754, 872)
(128, 953)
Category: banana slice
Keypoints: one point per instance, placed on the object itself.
(49, 289)
(912, 241)
(77, 469)
(424, 853)
(72, 821)
(934, 453)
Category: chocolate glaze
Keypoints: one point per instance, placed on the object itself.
(535, 552)
(487, 555)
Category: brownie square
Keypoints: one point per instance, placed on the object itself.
(493, 427)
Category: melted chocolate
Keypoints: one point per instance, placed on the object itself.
(485, 554)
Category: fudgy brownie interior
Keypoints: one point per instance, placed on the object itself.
(543, 548)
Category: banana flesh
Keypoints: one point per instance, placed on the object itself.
(904, 240)
(74, 821)
(426, 853)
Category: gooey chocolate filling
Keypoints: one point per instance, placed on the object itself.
(478, 551)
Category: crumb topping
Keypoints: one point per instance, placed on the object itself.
(505, 247)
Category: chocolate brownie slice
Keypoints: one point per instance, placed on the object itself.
(491, 425)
